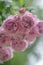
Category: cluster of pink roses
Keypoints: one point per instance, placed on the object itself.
(18, 32)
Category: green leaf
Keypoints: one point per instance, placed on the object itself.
(21, 3)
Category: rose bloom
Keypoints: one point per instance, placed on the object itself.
(6, 53)
(4, 38)
(11, 24)
(19, 45)
(28, 20)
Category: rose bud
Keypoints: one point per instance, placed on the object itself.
(22, 10)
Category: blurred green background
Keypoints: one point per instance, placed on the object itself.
(35, 52)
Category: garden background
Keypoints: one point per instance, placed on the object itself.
(34, 53)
